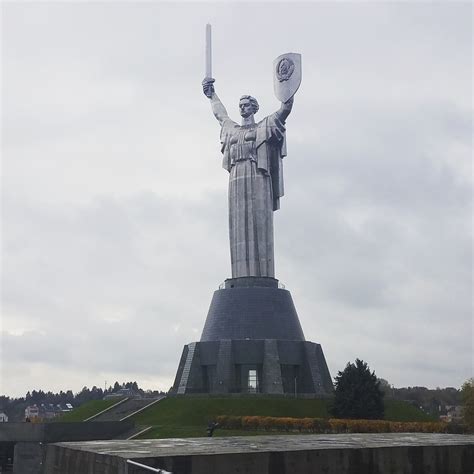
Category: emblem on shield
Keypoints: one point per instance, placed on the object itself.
(284, 69)
(286, 75)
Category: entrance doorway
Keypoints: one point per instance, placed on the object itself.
(252, 386)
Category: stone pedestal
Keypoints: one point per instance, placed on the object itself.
(252, 342)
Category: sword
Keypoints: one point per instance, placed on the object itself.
(208, 51)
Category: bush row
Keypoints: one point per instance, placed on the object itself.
(331, 425)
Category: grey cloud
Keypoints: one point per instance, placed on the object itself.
(114, 201)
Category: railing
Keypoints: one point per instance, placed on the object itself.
(142, 408)
(107, 409)
(148, 468)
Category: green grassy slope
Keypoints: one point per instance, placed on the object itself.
(188, 417)
(87, 410)
(396, 410)
(199, 410)
(185, 417)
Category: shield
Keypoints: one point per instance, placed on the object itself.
(286, 75)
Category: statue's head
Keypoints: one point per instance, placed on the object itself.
(248, 106)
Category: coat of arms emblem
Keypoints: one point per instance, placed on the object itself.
(286, 75)
(285, 69)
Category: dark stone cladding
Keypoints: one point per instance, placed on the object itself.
(252, 328)
(252, 308)
(283, 368)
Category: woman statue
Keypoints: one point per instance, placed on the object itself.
(253, 155)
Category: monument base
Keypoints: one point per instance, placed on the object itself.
(244, 366)
(252, 342)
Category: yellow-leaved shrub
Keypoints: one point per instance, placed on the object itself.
(324, 425)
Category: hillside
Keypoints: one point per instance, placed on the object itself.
(185, 417)
(87, 410)
(189, 416)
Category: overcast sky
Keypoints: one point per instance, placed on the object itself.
(114, 202)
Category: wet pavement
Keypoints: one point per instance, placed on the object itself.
(246, 444)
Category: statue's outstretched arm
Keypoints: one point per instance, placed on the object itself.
(285, 109)
(218, 108)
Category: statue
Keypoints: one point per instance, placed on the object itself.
(252, 340)
(253, 153)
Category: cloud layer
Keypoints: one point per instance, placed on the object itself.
(114, 202)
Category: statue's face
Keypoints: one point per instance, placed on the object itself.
(246, 108)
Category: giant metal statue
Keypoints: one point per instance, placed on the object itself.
(253, 153)
(252, 340)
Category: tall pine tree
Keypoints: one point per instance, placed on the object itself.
(358, 394)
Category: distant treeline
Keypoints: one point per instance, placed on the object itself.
(15, 407)
(432, 401)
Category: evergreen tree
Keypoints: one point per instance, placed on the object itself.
(358, 394)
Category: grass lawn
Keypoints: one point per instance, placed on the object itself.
(188, 417)
(396, 410)
(87, 410)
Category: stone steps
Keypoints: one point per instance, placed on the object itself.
(187, 369)
(126, 409)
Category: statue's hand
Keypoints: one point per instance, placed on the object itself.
(208, 86)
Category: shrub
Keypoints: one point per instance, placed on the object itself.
(338, 426)
(320, 425)
(230, 422)
(251, 422)
(333, 425)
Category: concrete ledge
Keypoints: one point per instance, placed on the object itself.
(251, 282)
(391, 453)
(28, 440)
(62, 431)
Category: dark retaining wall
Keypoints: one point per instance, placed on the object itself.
(60, 431)
(328, 454)
(30, 439)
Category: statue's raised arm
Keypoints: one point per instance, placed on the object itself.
(285, 109)
(218, 108)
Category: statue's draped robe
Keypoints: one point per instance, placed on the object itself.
(253, 156)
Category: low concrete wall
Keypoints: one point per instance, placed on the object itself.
(31, 439)
(309, 454)
(28, 458)
(58, 431)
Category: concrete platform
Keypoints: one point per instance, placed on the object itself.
(391, 453)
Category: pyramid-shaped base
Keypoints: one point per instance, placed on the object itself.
(252, 342)
(267, 366)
